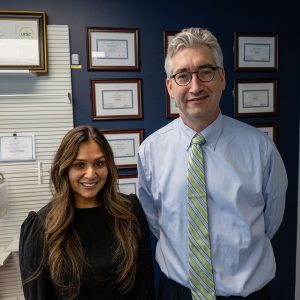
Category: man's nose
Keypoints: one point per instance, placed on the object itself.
(196, 84)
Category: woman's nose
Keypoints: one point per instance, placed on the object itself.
(90, 172)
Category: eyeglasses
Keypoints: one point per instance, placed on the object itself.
(204, 74)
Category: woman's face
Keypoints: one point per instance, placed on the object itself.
(88, 174)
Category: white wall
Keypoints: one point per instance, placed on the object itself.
(40, 105)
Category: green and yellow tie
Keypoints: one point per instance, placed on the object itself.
(200, 272)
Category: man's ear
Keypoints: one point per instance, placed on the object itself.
(169, 87)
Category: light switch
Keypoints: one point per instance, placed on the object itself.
(75, 59)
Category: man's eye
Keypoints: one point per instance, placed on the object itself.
(205, 71)
(182, 76)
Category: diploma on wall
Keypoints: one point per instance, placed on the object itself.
(124, 144)
(112, 48)
(117, 99)
(17, 147)
(255, 98)
(123, 147)
(254, 51)
(23, 41)
(109, 48)
(257, 52)
(19, 43)
(128, 184)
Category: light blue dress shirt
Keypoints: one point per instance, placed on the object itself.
(246, 185)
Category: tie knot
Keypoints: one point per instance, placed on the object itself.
(198, 139)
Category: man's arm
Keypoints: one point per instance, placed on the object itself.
(145, 195)
(275, 185)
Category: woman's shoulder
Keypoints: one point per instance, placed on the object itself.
(134, 201)
(34, 222)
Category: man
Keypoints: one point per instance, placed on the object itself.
(245, 181)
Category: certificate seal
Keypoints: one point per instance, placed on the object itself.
(26, 33)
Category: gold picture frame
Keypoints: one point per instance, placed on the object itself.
(23, 40)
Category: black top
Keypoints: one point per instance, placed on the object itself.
(94, 227)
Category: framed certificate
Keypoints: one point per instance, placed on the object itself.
(171, 107)
(128, 184)
(116, 99)
(255, 98)
(112, 49)
(125, 144)
(256, 51)
(17, 147)
(23, 41)
(168, 36)
(268, 129)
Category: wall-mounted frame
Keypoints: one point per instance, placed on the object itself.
(23, 41)
(255, 51)
(255, 97)
(112, 48)
(168, 36)
(171, 107)
(125, 144)
(128, 184)
(17, 147)
(268, 128)
(116, 99)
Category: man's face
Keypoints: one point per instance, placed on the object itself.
(198, 102)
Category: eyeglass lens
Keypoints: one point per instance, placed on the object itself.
(203, 74)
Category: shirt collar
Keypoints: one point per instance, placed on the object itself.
(211, 133)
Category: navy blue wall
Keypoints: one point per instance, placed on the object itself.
(223, 18)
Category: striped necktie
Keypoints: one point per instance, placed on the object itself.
(200, 272)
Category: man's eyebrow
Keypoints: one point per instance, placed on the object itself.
(181, 70)
(199, 67)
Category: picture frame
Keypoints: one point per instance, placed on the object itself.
(16, 147)
(168, 36)
(112, 48)
(268, 128)
(116, 99)
(255, 98)
(256, 51)
(128, 184)
(23, 41)
(125, 144)
(172, 110)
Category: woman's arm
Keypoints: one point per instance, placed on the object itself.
(36, 281)
(145, 270)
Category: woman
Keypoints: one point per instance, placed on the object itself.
(89, 242)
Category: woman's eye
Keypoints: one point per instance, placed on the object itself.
(99, 163)
(79, 165)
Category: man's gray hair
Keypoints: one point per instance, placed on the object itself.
(193, 37)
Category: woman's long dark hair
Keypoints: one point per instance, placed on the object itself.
(63, 253)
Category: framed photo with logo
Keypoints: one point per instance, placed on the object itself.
(23, 41)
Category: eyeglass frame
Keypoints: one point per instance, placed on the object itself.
(196, 72)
